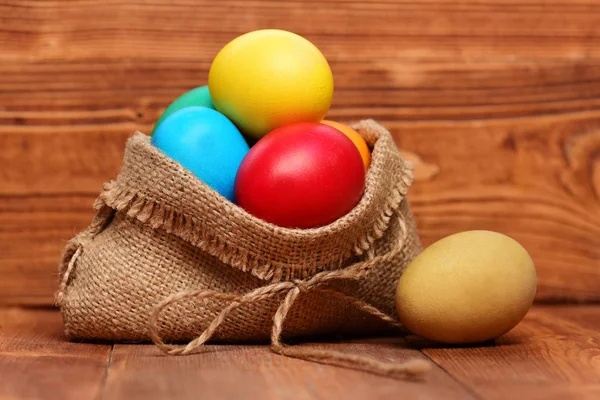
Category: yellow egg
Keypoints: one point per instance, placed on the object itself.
(269, 78)
(467, 288)
(358, 140)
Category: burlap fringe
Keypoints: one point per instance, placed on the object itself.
(414, 369)
(285, 278)
(161, 216)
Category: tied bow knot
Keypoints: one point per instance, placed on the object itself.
(292, 289)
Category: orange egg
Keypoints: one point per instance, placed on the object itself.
(358, 140)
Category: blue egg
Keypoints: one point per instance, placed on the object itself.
(206, 143)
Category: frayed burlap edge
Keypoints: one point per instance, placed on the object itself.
(414, 369)
(191, 228)
(114, 198)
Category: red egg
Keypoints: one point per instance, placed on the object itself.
(302, 175)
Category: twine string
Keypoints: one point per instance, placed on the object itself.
(292, 289)
(66, 275)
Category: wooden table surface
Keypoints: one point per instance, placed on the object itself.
(553, 354)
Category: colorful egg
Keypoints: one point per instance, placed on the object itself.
(206, 143)
(270, 78)
(466, 288)
(199, 96)
(358, 140)
(301, 176)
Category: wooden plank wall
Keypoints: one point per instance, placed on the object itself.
(498, 102)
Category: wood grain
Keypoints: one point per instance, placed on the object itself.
(36, 361)
(552, 354)
(531, 180)
(585, 316)
(497, 102)
(253, 372)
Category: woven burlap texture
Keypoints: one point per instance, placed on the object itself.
(159, 231)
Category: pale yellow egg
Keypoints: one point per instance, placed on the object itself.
(466, 288)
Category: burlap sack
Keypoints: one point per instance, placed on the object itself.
(166, 257)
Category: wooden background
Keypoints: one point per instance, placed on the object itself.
(498, 102)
